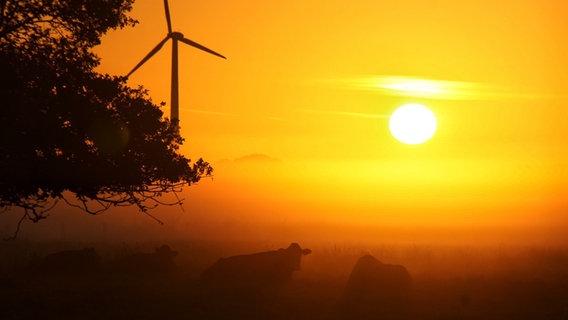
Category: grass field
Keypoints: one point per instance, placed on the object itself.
(449, 282)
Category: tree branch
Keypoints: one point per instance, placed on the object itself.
(18, 227)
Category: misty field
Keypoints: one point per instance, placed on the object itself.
(449, 282)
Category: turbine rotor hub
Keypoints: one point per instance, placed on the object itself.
(176, 35)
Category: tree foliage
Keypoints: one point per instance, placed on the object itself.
(69, 133)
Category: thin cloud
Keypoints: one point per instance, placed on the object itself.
(213, 113)
(226, 114)
(408, 86)
(346, 113)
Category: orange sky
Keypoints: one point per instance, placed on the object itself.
(305, 81)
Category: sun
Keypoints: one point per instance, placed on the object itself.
(413, 124)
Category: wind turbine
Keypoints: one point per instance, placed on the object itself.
(175, 36)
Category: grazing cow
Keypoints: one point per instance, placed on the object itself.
(377, 287)
(160, 261)
(252, 275)
(72, 262)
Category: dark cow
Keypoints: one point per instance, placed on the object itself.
(377, 287)
(72, 262)
(252, 275)
(160, 261)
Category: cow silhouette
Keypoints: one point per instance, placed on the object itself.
(252, 275)
(72, 262)
(376, 288)
(160, 261)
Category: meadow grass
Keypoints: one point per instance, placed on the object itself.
(449, 282)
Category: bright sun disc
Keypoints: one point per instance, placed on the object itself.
(413, 124)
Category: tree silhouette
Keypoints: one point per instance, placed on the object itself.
(69, 133)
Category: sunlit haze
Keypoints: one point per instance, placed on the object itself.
(296, 120)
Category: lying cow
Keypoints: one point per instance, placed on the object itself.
(72, 262)
(253, 274)
(376, 286)
(160, 261)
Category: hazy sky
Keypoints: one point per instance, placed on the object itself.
(310, 83)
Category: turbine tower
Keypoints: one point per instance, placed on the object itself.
(175, 36)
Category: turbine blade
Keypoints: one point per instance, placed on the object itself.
(149, 55)
(198, 46)
(168, 20)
